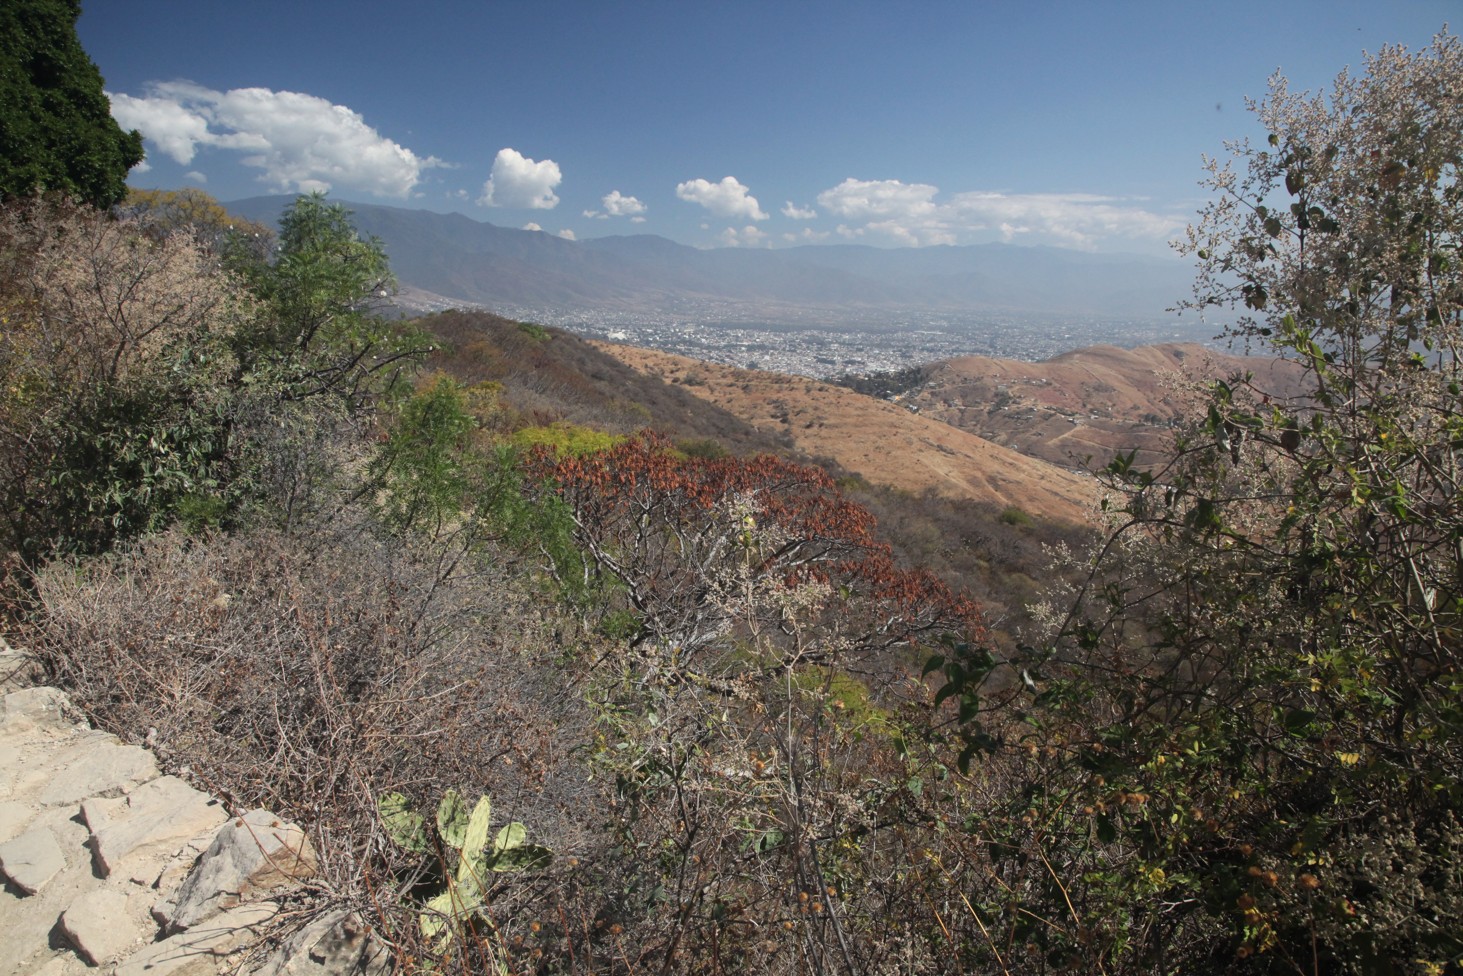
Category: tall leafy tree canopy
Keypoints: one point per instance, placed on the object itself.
(56, 127)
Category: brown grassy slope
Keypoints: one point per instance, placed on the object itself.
(879, 441)
(550, 375)
(1081, 408)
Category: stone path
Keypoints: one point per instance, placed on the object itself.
(109, 864)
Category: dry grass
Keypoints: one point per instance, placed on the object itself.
(310, 674)
(881, 442)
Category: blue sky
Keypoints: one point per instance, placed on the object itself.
(1075, 124)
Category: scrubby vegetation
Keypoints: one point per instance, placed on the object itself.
(358, 570)
(886, 384)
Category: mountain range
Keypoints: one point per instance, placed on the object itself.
(458, 259)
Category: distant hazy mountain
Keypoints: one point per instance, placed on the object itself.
(474, 261)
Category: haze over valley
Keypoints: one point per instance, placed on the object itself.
(819, 310)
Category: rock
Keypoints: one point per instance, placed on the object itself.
(250, 856)
(159, 815)
(17, 668)
(29, 936)
(335, 944)
(99, 926)
(89, 881)
(199, 951)
(37, 708)
(107, 769)
(62, 966)
(32, 859)
(32, 757)
(14, 818)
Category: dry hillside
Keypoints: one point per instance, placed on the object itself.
(1080, 408)
(882, 442)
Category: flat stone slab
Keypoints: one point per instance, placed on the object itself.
(36, 708)
(32, 859)
(28, 933)
(99, 925)
(82, 894)
(108, 768)
(198, 951)
(15, 817)
(158, 816)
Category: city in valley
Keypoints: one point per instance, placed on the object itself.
(825, 343)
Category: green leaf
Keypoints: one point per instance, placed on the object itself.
(522, 857)
(474, 859)
(768, 840)
(1204, 516)
(1298, 720)
(405, 827)
(452, 819)
(449, 910)
(511, 836)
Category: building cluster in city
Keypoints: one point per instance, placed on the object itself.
(804, 342)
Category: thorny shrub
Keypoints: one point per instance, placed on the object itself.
(313, 672)
(676, 533)
(113, 371)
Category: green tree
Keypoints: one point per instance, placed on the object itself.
(322, 289)
(56, 127)
(1258, 693)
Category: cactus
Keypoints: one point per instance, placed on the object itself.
(468, 855)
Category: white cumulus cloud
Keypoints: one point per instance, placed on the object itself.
(172, 128)
(798, 213)
(1078, 220)
(531, 226)
(568, 234)
(912, 214)
(300, 142)
(867, 199)
(621, 206)
(729, 198)
(748, 236)
(518, 182)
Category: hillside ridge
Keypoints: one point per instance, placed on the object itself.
(882, 442)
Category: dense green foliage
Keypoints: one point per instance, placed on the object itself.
(1254, 703)
(886, 384)
(115, 367)
(319, 288)
(141, 382)
(56, 127)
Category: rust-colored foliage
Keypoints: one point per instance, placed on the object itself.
(701, 544)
